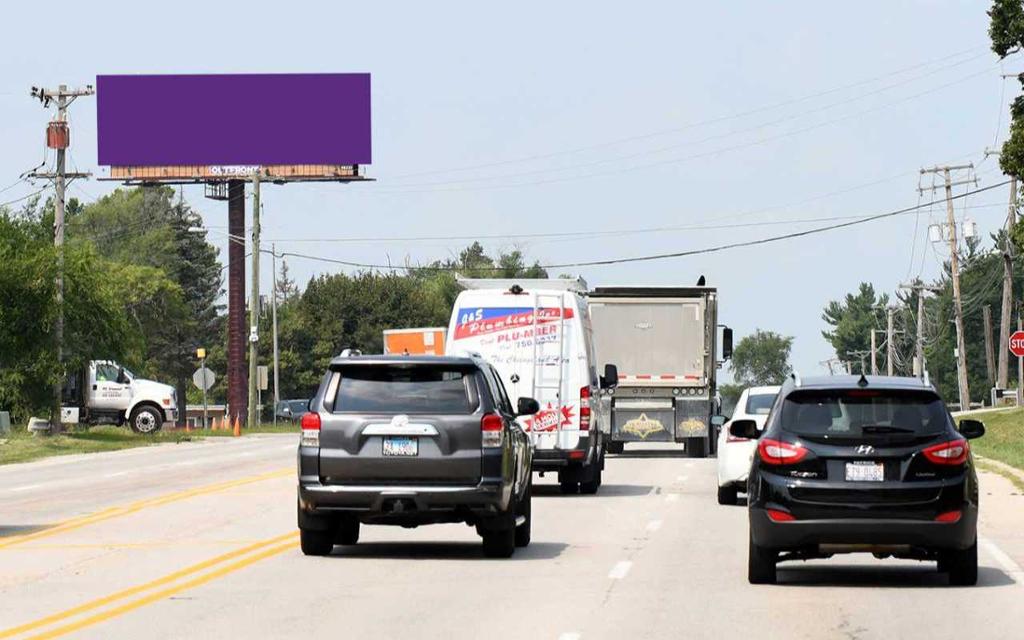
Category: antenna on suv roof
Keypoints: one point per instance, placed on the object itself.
(863, 382)
(796, 378)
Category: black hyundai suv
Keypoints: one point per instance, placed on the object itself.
(868, 464)
(408, 441)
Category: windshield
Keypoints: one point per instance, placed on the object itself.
(863, 412)
(760, 404)
(421, 389)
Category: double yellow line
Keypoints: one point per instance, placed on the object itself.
(117, 512)
(152, 591)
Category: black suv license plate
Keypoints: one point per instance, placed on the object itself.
(865, 471)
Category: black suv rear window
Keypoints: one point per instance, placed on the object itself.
(405, 389)
(863, 413)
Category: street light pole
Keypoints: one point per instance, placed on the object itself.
(254, 301)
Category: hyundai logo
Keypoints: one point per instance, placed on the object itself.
(865, 449)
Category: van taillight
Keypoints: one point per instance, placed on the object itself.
(584, 408)
(310, 430)
(949, 453)
(777, 452)
(492, 430)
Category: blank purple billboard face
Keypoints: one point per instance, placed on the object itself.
(249, 119)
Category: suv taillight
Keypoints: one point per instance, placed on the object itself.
(492, 430)
(310, 430)
(949, 453)
(584, 408)
(777, 452)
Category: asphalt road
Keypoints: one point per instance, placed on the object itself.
(198, 541)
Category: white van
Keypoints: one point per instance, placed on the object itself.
(537, 334)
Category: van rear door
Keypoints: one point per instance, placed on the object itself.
(402, 423)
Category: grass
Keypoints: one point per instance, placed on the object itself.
(1004, 437)
(22, 446)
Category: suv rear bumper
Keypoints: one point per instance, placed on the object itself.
(487, 497)
(881, 531)
(555, 459)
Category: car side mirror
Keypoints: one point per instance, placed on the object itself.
(527, 407)
(121, 378)
(971, 429)
(610, 379)
(717, 421)
(744, 429)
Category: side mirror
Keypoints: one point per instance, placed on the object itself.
(971, 429)
(121, 378)
(717, 421)
(287, 411)
(610, 379)
(726, 343)
(527, 407)
(744, 429)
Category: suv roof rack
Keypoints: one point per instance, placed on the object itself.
(350, 353)
(578, 285)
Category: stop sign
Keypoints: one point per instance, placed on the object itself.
(1017, 343)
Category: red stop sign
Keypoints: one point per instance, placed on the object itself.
(1017, 343)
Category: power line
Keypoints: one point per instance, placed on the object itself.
(26, 197)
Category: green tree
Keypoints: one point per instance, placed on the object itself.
(761, 359)
(1006, 30)
(851, 321)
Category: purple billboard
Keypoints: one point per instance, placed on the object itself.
(249, 119)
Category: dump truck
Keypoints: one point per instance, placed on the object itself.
(664, 341)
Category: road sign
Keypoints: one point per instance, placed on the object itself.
(1017, 343)
(203, 378)
(261, 377)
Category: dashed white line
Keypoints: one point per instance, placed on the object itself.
(620, 570)
(672, 497)
(116, 474)
(1005, 561)
(26, 487)
(654, 525)
(569, 635)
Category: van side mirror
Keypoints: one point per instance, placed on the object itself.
(744, 429)
(726, 343)
(610, 379)
(971, 429)
(717, 421)
(527, 407)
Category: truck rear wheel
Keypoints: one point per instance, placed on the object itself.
(593, 481)
(616, 447)
(696, 448)
(145, 419)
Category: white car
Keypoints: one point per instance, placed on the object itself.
(735, 454)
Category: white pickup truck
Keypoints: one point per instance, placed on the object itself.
(104, 392)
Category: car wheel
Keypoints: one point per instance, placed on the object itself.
(568, 487)
(616, 447)
(727, 495)
(963, 566)
(761, 564)
(315, 543)
(500, 543)
(347, 531)
(593, 483)
(145, 420)
(525, 510)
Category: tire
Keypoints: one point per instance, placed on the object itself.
(590, 486)
(522, 536)
(616, 447)
(761, 564)
(963, 566)
(696, 448)
(315, 543)
(569, 487)
(727, 495)
(146, 420)
(347, 531)
(500, 543)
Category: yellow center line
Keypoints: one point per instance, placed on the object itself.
(117, 512)
(159, 582)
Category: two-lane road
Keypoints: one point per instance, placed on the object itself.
(199, 541)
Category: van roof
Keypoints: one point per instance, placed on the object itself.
(578, 285)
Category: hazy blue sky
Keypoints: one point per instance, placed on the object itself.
(591, 105)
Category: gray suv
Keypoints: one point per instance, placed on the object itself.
(417, 440)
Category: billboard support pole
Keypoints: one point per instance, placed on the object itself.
(273, 309)
(236, 299)
(254, 301)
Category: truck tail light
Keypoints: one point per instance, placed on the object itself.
(584, 408)
(777, 452)
(492, 430)
(310, 430)
(949, 453)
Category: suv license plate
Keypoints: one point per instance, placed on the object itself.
(401, 447)
(865, 472)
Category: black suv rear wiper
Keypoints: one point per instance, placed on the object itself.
(881, 428)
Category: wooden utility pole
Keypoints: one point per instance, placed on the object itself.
(889, 342)
(1002, 376)
(273, 320)
(58, 137)
(958, 311)
(990, 365)
(918, 288)
(874, 353)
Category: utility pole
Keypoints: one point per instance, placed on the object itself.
(58, 137)
(254, 301)
(889, 341)
(874, 353)
(918, 288)
(277, 385)
(990, 365)
(961, 349)
(1002, 377)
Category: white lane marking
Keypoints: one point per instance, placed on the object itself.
(654, 525)
(116, 474)
(1003, 559)
(569, 635)
(620, 570)
(653, 491)
(26, 487)
(672, 497)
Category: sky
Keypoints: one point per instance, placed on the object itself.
(622, 125)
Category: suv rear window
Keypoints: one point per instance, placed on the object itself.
(417, 389)
(863, 413)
